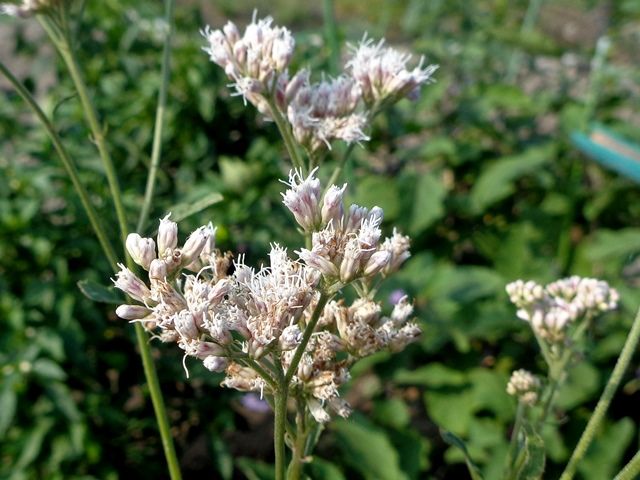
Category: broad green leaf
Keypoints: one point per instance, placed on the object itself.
(320, 469)
(392, 413)
(428, 203)
(413, 449)
(452, 408)
(223, 458)
(48, 370)
(8, 402)
(612, 245)
(33, 443)
(99, 293)
(255, 470)
(534, 455)
(582, 384)
(497, 180)
(455, 441)
(184, 210)
(380, 191)
(367, 450)
(433, 375)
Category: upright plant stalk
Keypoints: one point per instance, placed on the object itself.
(331, 35)
(159, 122)
(287, 137)
(530, 17)
(69, 166)
(61, 41)
(631, 470)
(280, 419)
(605, 400)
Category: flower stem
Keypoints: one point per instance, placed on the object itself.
(280, 412)
(331, 36)
(513, 444)
(631, 470)
(69, 166)
(295, 466)
(337, 171)
(159, 122)
(61, 41)
(285, 132)
(322, 301)
(607, 395)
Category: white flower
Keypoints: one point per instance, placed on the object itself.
(524, 385)
(382, 72)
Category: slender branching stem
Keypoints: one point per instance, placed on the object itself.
(69, 166)
(280, 411)
(60, 39)
(337, 171)
(315, 316)
(287, 136)
(513, 444)
(159, 122)
(298, 452)
(631, 470)
(605, 400)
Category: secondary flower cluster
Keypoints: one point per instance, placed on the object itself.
(336, 108)
(26, 8)
(248, 322)
(524, 385)
(552, 309)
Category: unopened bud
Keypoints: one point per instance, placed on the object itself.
(142, 250)
(157, 270)
(167, 235)
(132, 312)
(290, 337)
(377, 262)
(215, 364)
(131, 285)
(194, 245)
(332, 209)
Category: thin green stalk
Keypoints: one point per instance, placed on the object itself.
(631, 470)
(61, 41)
(607, 395)
(298, 452)
(553, 390)
(331, 36)
(322, 301)
(159, 122)
(530, 17)
(339, 168)
(280, 412)
(287, 136)
(69, 166)
(513, 444)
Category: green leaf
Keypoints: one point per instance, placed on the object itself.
(533, 455)
(223, 458)
(8, 402)
(321, 469)
(607, 450)
(392, 413)
(33, 443)
(184, 210)
(48, 370)
(368, 450)
(255, 470)
(582, 384)
(428, 203)
(380, 191)
(99, 293)
(497, 180)
(455, 441)
(434, 375)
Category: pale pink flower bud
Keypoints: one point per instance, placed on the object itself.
(167, 235)
(376, 263)
(332, 209)
(157, 270)
(293, 86)
(290, 338)
(303, 199)
(318, 413)
(185, 325)
(194, 245)
(350, 265)
(132, 312)
(218, 291)
(402, 311)
(215, 364)
(524, 385)
(131, 285)
(320, 263)
(142, 250)
(206, 349)
(231, 32)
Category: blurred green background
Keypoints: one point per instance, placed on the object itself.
(479, 171)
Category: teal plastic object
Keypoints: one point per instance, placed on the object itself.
(610, 150)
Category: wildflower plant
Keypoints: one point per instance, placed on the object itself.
(290, 330)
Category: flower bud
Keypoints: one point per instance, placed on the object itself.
(206, 349)
(131, 285)
(142, 250)
(194, 245)
(376, 263)
(293, 87)
(215, 364)
(320, 263)
(167, 235)
(351, 262)
(524, 385)
(185, 325)
(132, 312)
(332, 209)
(290, 338)
(157, 270)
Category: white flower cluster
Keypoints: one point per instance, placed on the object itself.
(345, 243)
(524, 385)
(242, 320)
(339, 108)
(552, 309)
(26, 8)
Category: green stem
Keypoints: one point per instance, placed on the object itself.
(555, 384)
(280, 412)
(530, 17)
(295, 466)
(322, 301)
(159, 122)
(287, 136)
(158, 403)
(513, 444)
(69, 166)
(339, 168)
(603, 404)
(631, 470)
(61, 42)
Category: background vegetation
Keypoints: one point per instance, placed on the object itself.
(480, 172)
